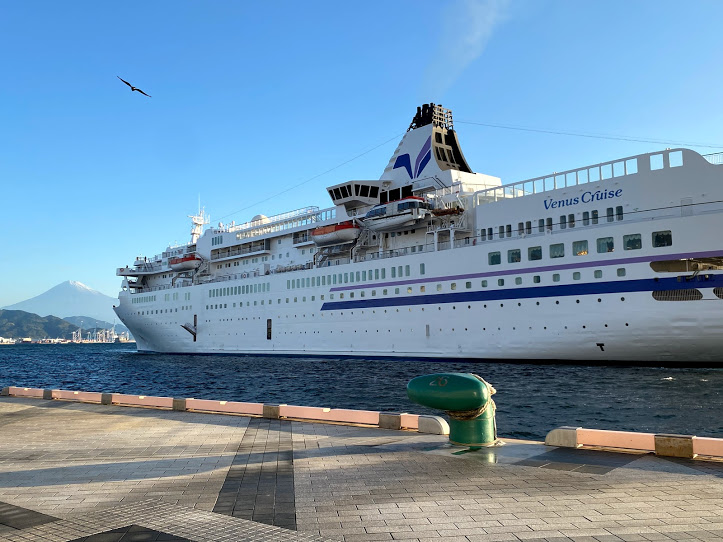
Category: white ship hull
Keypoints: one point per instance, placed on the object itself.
(477, 289)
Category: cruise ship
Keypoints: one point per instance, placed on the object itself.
(615, 261)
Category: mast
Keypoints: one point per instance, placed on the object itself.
(197, 223)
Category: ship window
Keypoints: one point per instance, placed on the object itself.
(662, 238)
(632, 242)
(656, 161)
(346, 278)
(483, 234)
(421, 269)
(541, 225)
(571, 220)
(594, 217)
(619, 212)
(439, 156)
(579, 248)
(453, 286)
(334, 277)
(422, 289)
(484, 284)
(508, 229)
(494, 258)
(364, 191)
(557, 250)
(536, 279)
(344, 191)
(528, 227)
(384, 273)
(605, 244)
(598, 273)
(409, 289)
(331, 194)
(384, 291)
(621, 272)
(439, 287)
(356, 189)
(610, 214)
(394, 272)
(534, 253)
(500, 282)
(340, 277)
(373, 191)
(520, 228)
(337, 194)
(308, 284)
(563, 222)
(502, 231)
(384, 196)
(675, 158)
(548, 223)
(586, 218)
(518, 280)
(556, 277)
(490, 233)
(514, 256)
(468, 285)
(374, 293)
(399, 271)
(364, 275)
(406, 271)
(394, 195)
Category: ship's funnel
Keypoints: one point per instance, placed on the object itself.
(429, 147)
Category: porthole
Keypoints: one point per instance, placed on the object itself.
(622, 299)
(557, 302)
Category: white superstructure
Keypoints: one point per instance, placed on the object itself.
(621, 260)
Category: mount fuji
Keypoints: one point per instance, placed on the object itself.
(70, 298)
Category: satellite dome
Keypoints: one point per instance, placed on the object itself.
(260, 218)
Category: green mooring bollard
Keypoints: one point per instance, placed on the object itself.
(467, 398)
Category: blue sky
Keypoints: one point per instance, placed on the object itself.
(252, 99)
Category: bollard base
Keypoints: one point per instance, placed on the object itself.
(477, 432)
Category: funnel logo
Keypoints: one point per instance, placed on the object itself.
(403, 160)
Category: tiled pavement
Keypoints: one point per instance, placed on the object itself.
(72, 471)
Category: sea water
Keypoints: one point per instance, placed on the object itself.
(531, 399)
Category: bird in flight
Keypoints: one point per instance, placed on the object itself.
(134, 88)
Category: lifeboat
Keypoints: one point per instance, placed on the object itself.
(335, 234)
(185, 263)
(397, 215)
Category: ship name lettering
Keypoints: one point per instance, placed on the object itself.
(587, 197)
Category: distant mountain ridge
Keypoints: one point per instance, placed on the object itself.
(68, 299)
(20, 324)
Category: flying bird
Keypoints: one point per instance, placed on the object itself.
(134, 88)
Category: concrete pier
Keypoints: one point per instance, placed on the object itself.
(94, 472)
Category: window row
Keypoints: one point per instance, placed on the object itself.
(632, 241)
(257, 288)
(547, 224)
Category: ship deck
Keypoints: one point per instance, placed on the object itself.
(80, 471)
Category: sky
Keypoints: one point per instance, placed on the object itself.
(256, 107)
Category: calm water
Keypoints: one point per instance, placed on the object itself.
(531, 399)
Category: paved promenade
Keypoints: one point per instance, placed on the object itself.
(74, 471)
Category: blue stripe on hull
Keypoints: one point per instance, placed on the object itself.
(565, 290)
